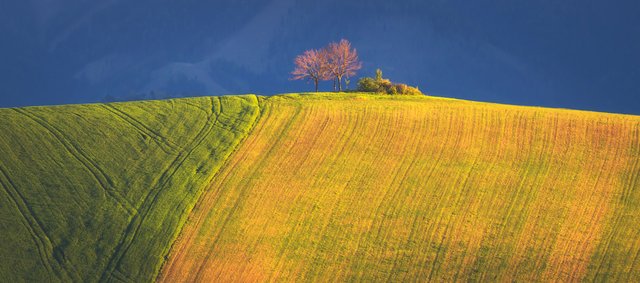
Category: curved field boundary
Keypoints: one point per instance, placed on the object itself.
(99, 192)
(238, 128)
(152, 196)
(368, 188)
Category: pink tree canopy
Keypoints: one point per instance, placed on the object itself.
(343, 60)
(312, 65)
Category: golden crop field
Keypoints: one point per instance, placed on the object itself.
(375, 188)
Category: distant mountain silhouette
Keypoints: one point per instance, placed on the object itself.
(68, 51)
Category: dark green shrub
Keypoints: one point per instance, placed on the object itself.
(368, 85)
(381, 85)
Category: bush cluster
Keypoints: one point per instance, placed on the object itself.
(381, 85)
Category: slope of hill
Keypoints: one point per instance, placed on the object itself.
(371, 188)
(99, 192)
(318, 187)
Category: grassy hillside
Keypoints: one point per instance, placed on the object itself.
(319, 188)
(373, 188)
(99, 192)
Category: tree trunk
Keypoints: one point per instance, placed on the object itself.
(316, 83)
(340, 83)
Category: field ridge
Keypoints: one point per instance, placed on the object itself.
(371, 188)
(318, 187)
(85, 174)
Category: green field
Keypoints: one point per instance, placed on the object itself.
(99, 192)
(318, 187)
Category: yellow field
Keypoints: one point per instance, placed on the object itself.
(373, 188)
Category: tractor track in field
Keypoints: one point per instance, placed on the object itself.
(69, 176)
(181, 235)
(44, 245)
(449, 192)
(100, 176)
(216, 238)
(40, 239)
(134, 226)
(162, 141)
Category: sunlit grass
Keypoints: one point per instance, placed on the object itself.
(99, 192)
(318, 187)
(374, 188)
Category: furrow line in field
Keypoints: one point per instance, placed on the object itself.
(309, 133)
(98, 174)
(428, 177)
(551, 179)
(527, 131)
(143, 129)
(135, 224)
(396, 185)
(490, 237)
(453, 221)
(412, 167)
(619, 155)
(299, 114)
(288, 154)
(186, 237)
(633, 271)
(389, 142)
(519, 131)
(492, 140)
(376, 216)
(519, 257)
(345, 150)
(608, 157)
(362, 121)
(242, 191)
(593, 193)
(237, 202)
(421, 196)
(619, 210)
(563, 248)
(373, 215)
(332, 139)
(197, 219)
(630, 210)
(37, 231)
(448, 192)
(576, 183)
(242, 195)
(541, 173)
(39, 241)
(303, 132)
(206, 111)
(489, 206)
(120, 277)
(446, 234)
(429, 234)
(386, 144)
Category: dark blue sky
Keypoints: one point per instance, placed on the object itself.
(571, 54)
